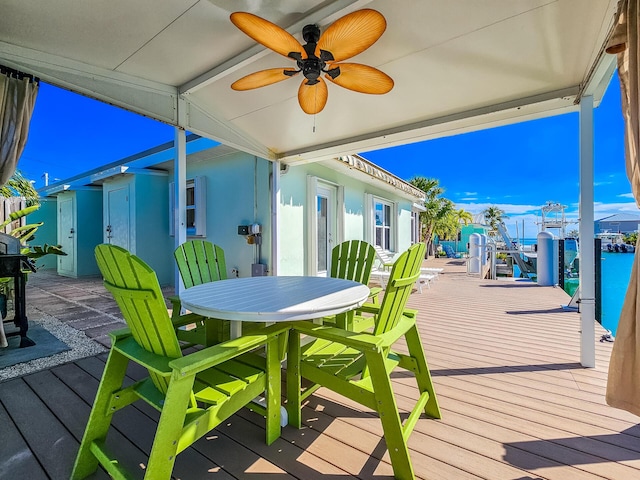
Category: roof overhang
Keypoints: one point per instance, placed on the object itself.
(458, 66)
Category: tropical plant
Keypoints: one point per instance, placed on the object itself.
(494, 216)
(26, 233)
(437, 209)
(631, 238)
(20, 186)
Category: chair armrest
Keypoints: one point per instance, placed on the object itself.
(404, 324)
(128, 347)
(176, 306)
(211, 356)
(360, 341)
(375, 308)
(119, 334)
(369, 308)
(186, 319)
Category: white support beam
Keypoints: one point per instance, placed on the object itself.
(199, 120)
(275, 215)
(148, 98)
(491, 116)
(180, 192)
(587, 254)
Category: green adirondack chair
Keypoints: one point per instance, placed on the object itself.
(358, 365)
(353, 260)
(200, 261)
(194, 393)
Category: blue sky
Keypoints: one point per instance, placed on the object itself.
(517, 168)
(521, 167)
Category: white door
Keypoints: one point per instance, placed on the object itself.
(66, 235)
(117, 218)
(325, 228)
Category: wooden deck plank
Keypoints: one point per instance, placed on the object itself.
(131, 423)
(48, 439)
(15, 455)
(231, 458)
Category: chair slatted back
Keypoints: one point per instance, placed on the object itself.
(200, 261)
(136, 290)
(353, 260)
(405, 272)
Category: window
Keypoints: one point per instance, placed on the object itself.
(196, 217)
(415, 227)
(323, 221)
(383, 223)
(191, 207)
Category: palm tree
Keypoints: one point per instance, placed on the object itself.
(437, 208)
(494, 216)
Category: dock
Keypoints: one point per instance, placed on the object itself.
(516, 403)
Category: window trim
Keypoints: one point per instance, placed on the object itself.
(199, 185)
(393, 221)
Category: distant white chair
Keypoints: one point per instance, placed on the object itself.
(423, 279)
(386, 259)
(382, 270)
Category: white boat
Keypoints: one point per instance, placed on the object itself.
(570, 252)
(614, 243)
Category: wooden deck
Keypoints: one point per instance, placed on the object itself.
(516, 403)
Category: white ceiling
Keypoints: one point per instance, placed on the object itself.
(458, 65)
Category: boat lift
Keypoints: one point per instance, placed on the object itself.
(553, 218)
(525, 268)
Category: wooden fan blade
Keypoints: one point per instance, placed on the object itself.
(262, 78)
(268, 34)
(362, 78)
(352, 34)
(313, 98)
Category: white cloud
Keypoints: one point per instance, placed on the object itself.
(532, 215)
(626, 195)
(508, 208)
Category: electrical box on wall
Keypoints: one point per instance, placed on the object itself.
(243, 229)
(258, 270)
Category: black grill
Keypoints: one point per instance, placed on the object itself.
(14, 264)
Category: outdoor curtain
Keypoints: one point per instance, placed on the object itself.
(17, 98)
(623, 384)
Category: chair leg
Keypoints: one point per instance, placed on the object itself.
(294, 400)
(390, 418)
(423, 376)
(100, 418)
(167, 437)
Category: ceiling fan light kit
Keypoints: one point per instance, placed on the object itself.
(321, 54)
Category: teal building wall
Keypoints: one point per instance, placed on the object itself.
(48, 232)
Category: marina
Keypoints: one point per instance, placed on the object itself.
(614, 243)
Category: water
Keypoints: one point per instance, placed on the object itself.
(616, 270)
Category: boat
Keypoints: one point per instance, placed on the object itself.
(570, 252)
(614, 243)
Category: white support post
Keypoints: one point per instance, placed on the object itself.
(587, 254)
(180, 195)
(275, 215)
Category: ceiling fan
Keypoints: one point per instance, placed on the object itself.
(345, 38)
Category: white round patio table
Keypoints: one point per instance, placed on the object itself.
(273, 299)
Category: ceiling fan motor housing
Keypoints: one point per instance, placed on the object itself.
(313, 66)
